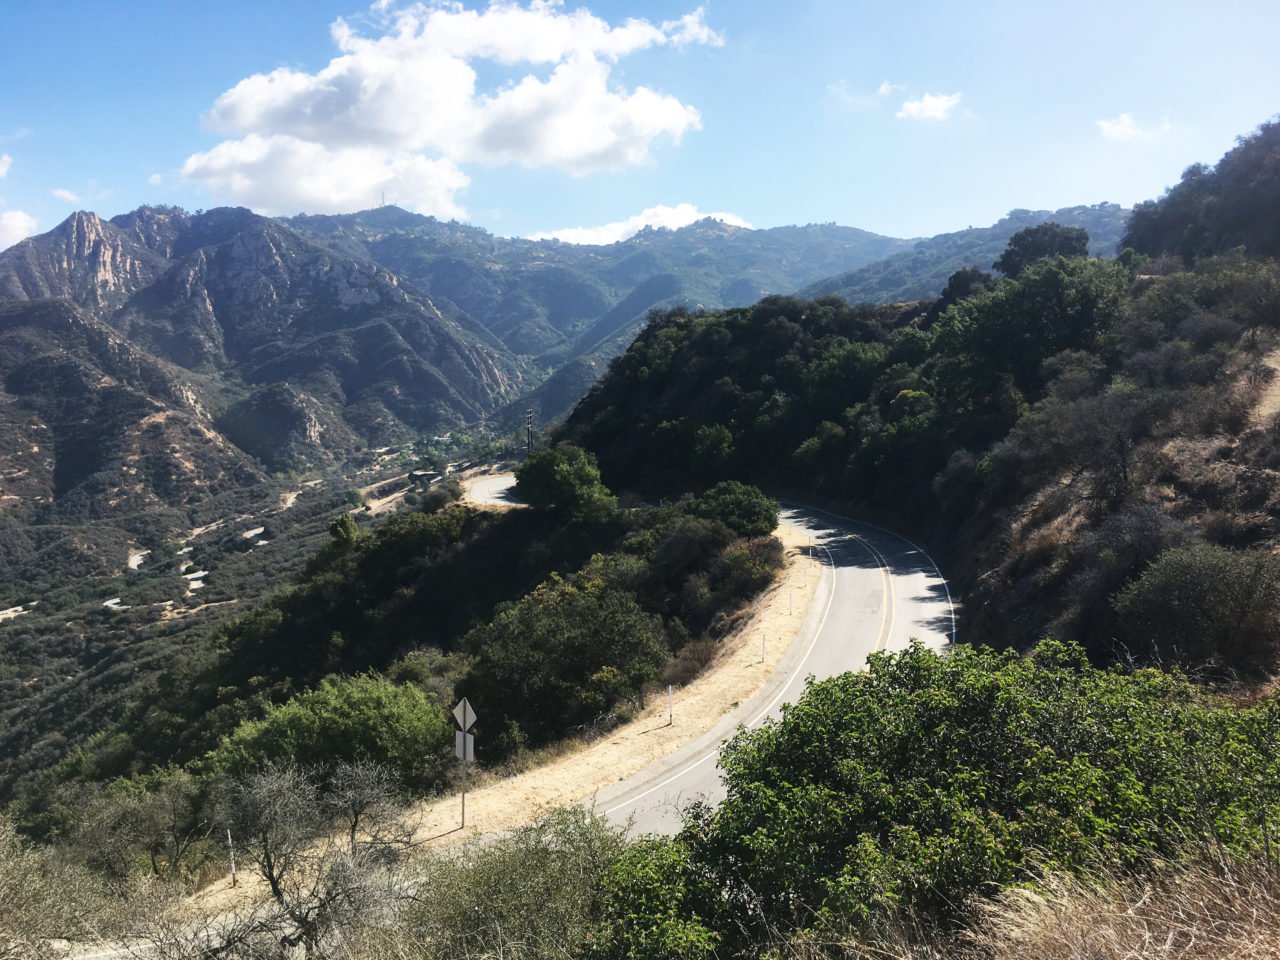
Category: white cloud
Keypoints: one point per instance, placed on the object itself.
(6, 162)
(1126, 130)
(692, 28)
(155, 180)
(681, 215)
(407, 102)
(931, 106)
(64, 194)
(283, 174)
(887, 88)
(14, 226)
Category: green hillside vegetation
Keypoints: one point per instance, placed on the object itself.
(1216, 209)
(922, 271)
(902, 812)
(1089, 443)
(910, 789)
(1053, 434)
(558, 619)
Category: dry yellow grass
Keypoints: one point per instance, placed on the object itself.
(1202, 912)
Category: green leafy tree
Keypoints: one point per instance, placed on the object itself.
(344, 531)
(365, 718)
(566, 480)
(1039, 242)
(739, 506)
(568, 651)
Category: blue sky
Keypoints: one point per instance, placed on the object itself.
(906, 118)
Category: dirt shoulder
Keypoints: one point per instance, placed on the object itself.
(733, 677)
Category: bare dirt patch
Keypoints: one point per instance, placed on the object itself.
(1268, 404)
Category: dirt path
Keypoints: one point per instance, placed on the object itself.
(1269, 403)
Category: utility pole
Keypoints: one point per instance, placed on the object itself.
(231, 849)
(528, 428)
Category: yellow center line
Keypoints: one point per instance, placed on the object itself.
(891, 599)
(887, 608)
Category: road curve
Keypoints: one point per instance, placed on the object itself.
(492, 490)
(878, 591)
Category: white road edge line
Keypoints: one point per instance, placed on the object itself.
(915, 546)
(753, 723)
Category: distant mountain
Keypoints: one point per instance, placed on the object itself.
(330, 348)
(102, 443)
(921, 272)
(547, 298)
(317, 336)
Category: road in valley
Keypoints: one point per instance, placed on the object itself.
(492, 490)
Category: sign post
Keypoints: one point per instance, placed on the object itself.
(464, 745)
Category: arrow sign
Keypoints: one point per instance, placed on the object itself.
(464, 714)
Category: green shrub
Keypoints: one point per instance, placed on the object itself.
(930, 778)
(345, 718)
(740, 507)
(1201, 601)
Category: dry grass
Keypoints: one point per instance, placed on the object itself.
(1205, 912)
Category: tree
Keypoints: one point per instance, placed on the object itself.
(344, 531)
(568, 651)
(365, 718)
(565, 480)
(318, 884)
(965, 282)
(1202, 601)
(740, 507)
(1036, 243)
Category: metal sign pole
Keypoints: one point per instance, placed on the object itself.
(464, 745)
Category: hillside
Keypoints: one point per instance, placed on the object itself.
(317, 353)
(921, 272)
(1235, 203)
(1079, 439)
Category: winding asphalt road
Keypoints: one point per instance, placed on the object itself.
(878, 591)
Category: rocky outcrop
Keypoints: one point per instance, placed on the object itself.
(243, 299)
(84, 259)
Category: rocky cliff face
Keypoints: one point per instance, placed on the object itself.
(94, 428)
(243, 299)
(84, 259)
